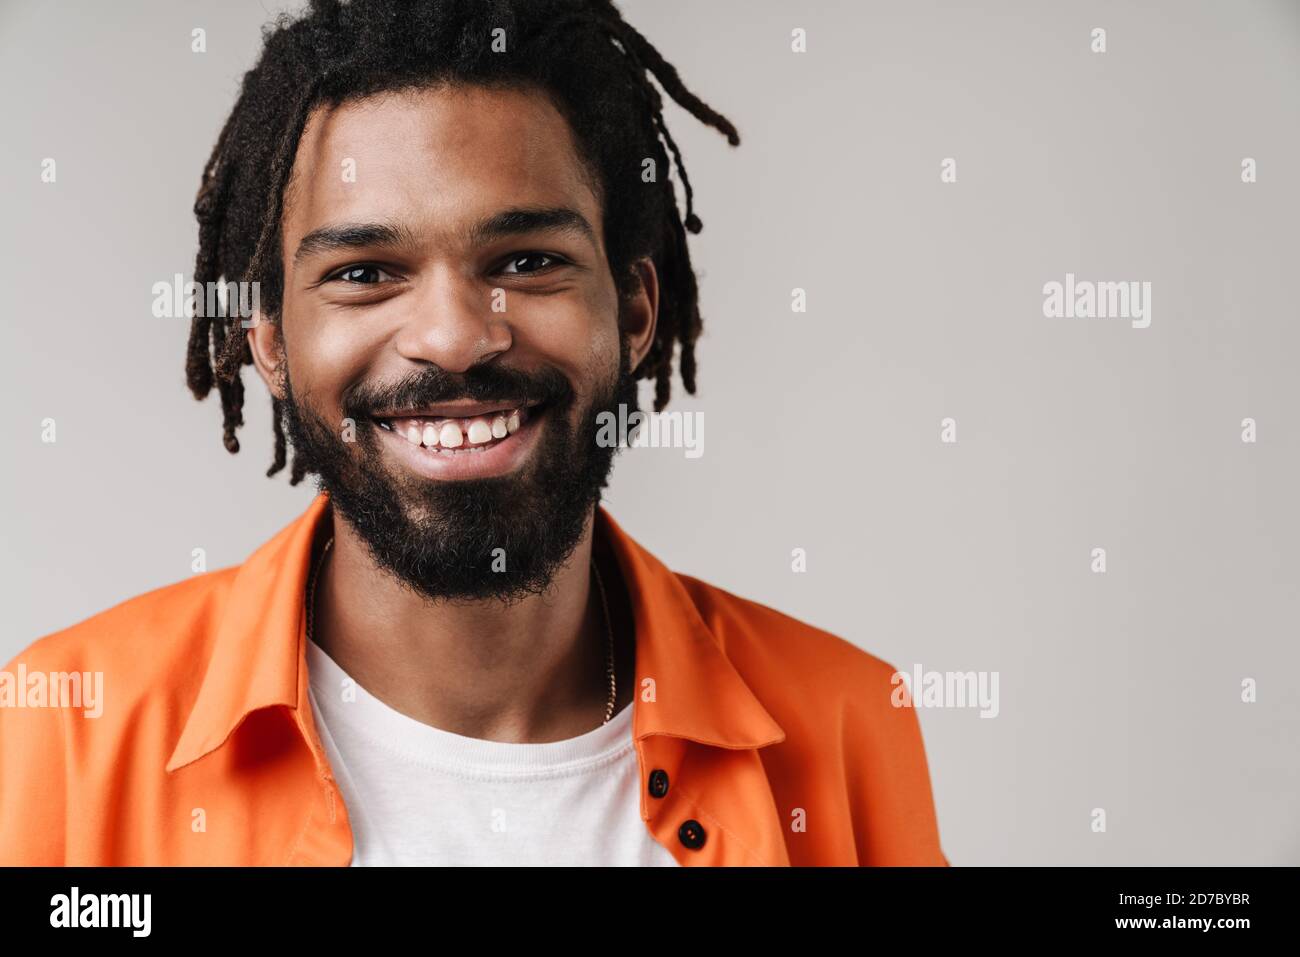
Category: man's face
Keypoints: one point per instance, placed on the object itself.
(450, 331)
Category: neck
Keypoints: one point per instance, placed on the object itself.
(531, 671)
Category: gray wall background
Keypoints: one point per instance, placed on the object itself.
(1119, 691)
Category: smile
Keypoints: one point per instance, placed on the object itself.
(481, 441)
(457, 435)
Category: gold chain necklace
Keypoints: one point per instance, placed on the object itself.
(604, 604)
(609, 645)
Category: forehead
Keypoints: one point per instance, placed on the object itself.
(433, 158)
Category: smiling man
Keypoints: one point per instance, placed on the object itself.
(468, 249)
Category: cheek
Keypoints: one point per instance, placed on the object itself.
(576, 333)
(325, 354)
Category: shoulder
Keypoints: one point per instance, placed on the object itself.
(139, 643)
(123, 669)
(852, 743)
(778, 653)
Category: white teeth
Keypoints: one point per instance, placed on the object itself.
(477, 432)
(450, 435)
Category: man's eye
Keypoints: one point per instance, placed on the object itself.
(530, 262)
(363, 275)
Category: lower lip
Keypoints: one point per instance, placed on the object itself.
(501, 458)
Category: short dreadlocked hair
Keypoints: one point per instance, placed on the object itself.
(591, 63)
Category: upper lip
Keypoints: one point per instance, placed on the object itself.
(456, 410)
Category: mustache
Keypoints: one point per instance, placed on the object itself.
(432, 385)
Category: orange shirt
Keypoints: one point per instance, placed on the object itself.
(778, 740)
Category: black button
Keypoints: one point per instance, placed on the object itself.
(691, 834)
(658, 783)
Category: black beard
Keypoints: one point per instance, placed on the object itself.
(450, 539)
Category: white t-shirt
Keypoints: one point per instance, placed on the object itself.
(418, 795)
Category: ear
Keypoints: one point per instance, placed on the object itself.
(268, 352)
(640, 313)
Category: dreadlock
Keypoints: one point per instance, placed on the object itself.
(593, 64)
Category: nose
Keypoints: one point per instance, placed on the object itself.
(451, 323)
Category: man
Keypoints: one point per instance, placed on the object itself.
(468, 252)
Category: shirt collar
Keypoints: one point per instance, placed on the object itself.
(698, 694)
(688, 686)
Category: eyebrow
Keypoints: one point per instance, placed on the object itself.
(352, 236)
(533, 219)
(509, 222)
